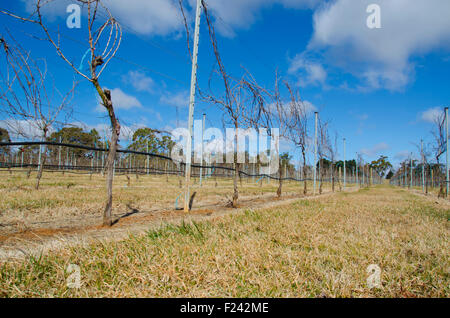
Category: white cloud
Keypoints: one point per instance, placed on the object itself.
(308, 72)
(432, 114)
(50, 10)
(160, 17)
(163, 17)
(140, 81)
(18, 129)
(121, 100)
(375, 150)
(154, 17)
(309, 107)
(180, 99)
(381, 58)
(172, 125)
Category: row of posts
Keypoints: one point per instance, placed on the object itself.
(402, 179)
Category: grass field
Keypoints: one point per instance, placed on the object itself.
(73, 200)
(319, 247)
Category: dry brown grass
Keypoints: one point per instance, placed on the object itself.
(311, 248)
(74, 200)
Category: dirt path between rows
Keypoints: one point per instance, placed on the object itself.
(41, 240)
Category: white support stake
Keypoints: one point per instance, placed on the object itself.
(345, 180)
(59, 154)
(447, 179)
(148, 161)
(423, 166)
(191, 107)
(411, 173)
(201, 149)
(315, 152)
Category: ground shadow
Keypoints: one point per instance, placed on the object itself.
(133, 211)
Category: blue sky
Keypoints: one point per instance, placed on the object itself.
(379, 88)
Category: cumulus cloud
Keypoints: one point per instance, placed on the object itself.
(309, 107)
(380, 58)
(432, 114)
(121, 100)
(159, 17)
(51, 10)
(308, 72)
(163, 17)
(375, 150)
(155, 17)
(140, 81)
(18, 129)
(179, 99)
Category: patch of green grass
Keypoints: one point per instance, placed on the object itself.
(192, 229)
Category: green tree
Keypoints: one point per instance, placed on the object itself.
(350, 165)
(156, 144)
(166, 144)
(4, 137)
(285, 159)
(381, 165)
(76, 136)
(141, 138)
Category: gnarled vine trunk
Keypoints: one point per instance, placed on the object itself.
(109, 165)
(332, 177)
(41, 163)
(235, 183)
(305, 186)
(280, 184)
(236, 169)
(39, 174)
